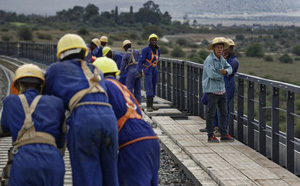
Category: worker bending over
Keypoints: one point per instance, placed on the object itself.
(92, 137)
(139, 151)
(36, 126)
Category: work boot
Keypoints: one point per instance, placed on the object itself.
(149, 105)
(154, 108)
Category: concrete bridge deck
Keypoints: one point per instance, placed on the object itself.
(224, 163)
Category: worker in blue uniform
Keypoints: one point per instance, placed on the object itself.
(129, 63)
(117, 57)
(139, 151)
(92, 46)
(98, 51)
(36, 126)
(148, 62)
(92, 137)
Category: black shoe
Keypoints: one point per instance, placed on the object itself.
(154, 108)
(149, 105)
(203, 130)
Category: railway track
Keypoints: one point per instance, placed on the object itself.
(9, 65)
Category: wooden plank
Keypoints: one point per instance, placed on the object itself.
(192, 129)
(164, 112)
(187, 122)
(157, 105)
(163, 120)
(197, 119)
(272, 182)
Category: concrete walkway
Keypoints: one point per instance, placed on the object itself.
(231, 163)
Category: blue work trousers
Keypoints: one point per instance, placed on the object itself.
(214, 101)
(123, 77)
(138, 163)
(133, 84)
(151, 78)
(37, 164)
(93, 145)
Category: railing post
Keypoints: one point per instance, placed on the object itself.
(196, 92)
(240, 120)
(231, 120)
(290, 101)
(188, 91)
(178, 96)
(262, 119)
(169, 80)
(159, 82)
(182, 87)
(201, 106)
(275, 125)
(163, 78)
(174, 83)
(250, 110)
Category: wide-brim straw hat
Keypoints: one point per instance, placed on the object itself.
(218, 40)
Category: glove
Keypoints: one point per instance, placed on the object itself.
(223, 71)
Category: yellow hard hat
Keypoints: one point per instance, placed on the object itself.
(230, 42)
(105, 50)
(96, 41)
(104, 39)
(153, 36)
(218, 40)
(70, 44)
(107, 65)
(125, 43)
(27, 71)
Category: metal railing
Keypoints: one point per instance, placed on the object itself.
(180, 82)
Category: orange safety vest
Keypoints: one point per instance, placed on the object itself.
(131, 112)
(152, 64)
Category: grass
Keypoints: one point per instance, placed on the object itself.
(271, 70)
(18, 24)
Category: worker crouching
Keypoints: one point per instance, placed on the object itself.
(139, 151)
(35, 123)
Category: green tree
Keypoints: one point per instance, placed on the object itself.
(5, 38)
(83, 31)
(181, 41)
(91, 10)
(177, 51)
(25, 33)
(254, 50)
(196, 58)
(151, 29)
(296, 50)
(285, 58)
(268, 58)
(203, 54)
(163, 50)
(240, 37)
